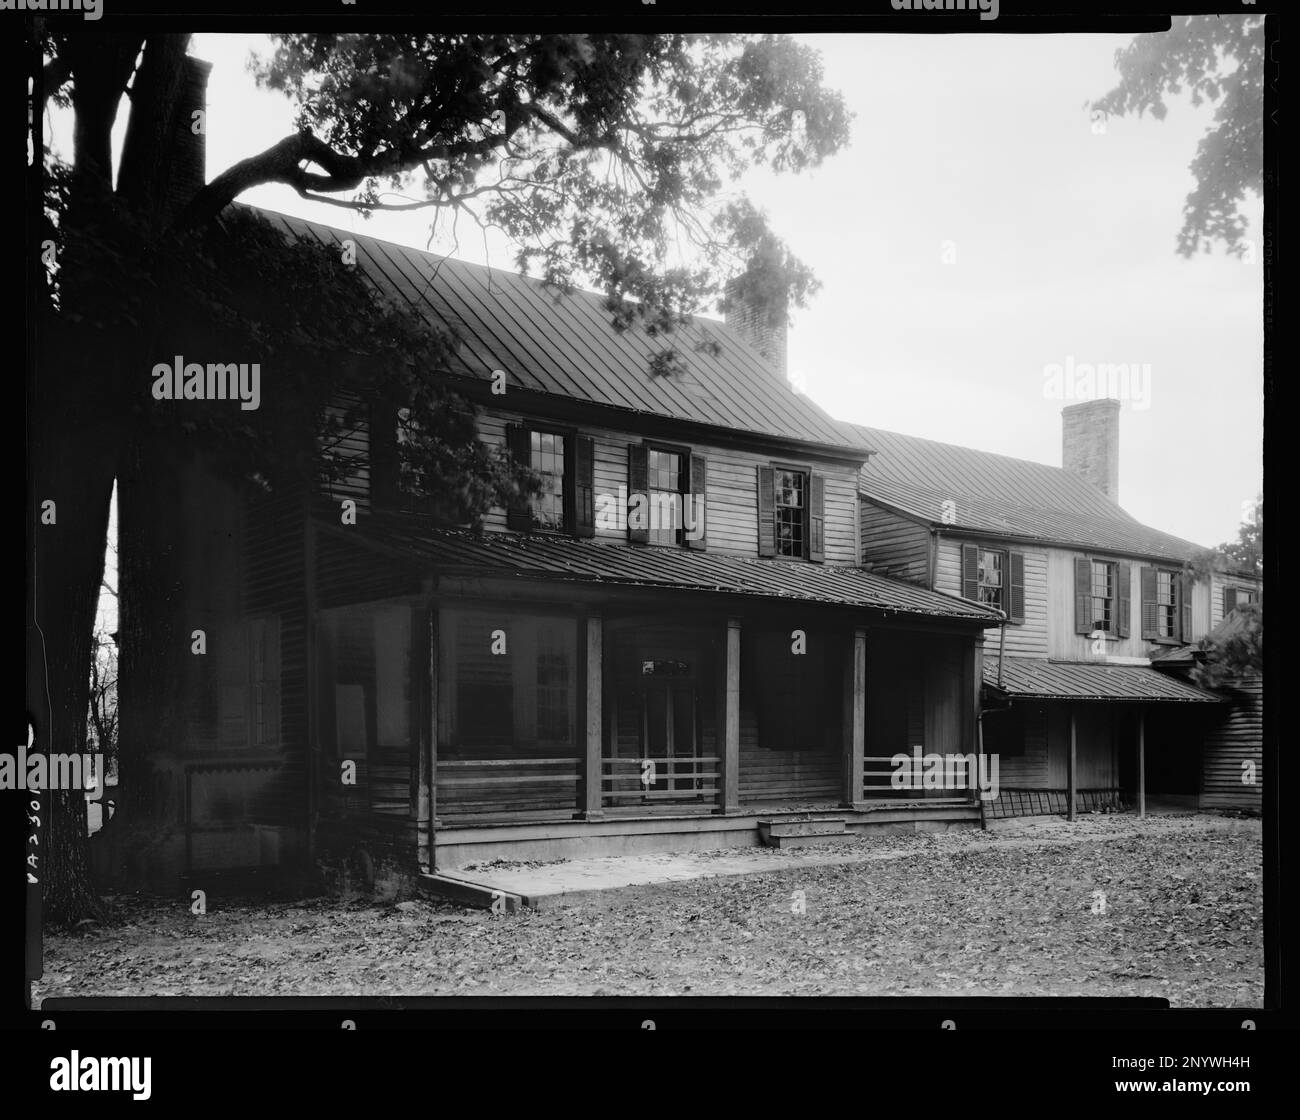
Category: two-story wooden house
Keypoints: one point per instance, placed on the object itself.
(1082, 684)
(671, 644)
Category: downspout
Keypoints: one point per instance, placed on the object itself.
(1002, 648)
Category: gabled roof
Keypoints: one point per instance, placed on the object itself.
(1037, 679)
(1002, 496)
(593, 561)
(551, 342)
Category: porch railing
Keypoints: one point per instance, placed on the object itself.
(878, 778)
(506, 784)
(626, 782)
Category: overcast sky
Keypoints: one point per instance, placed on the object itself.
(979, 228)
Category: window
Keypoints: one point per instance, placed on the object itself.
(547, 459)
(990, 590)
(1166, 613)
(996, 578)
(1103, 595)
(666, 485)
(1236, 597)
(510, 685)
(791, 513)
(563, 463)
(1166, 604)
(666, 495)
(791, 506)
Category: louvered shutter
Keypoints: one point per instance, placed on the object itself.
(1183, 585)
(584, 460)
(817, 518)
(1150, 611)
(1124, 598)
(519, 444)
(695, 518)
(638, 492)
(970, 571)
(1016, 564)
(1083, 619)
(766, 511)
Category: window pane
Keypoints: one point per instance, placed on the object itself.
(790, 492)
(548, 461)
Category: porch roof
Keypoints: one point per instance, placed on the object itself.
(565, 559)
(1072, 680)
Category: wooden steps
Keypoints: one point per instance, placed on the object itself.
(799, 834)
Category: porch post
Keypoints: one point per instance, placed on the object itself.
(729, 719)
(854, 719)
(1071, 763)
(593, 656)
(1142, 763)
(424, 633)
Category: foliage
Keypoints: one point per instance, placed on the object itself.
(1220, 60)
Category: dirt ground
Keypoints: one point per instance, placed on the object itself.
(1109, 906)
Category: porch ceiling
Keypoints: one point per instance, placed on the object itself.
(1071, 680)
(564, 559)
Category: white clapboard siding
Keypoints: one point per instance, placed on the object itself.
(731, 517)
(1025, 639)
(1237, 737)
(894, 545)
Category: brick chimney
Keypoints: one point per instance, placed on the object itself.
(761, 332)
(1090, 444)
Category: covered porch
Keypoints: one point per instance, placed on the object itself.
(555, 698)
(1077, 737)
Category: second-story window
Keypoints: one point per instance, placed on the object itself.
(994, 577)
(546, 457)
(1103, 595)
(1166, 605)
(1102, 600)
(791, 504)
(1166, 611)
(990, 588)
(563, 463)
(666, 486)
(791, 513)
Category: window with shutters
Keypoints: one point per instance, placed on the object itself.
(791, 513)
(1166, 611)
(547, 458)
(996, 578)
(666, 495)
(1234, 598)
(563, 465)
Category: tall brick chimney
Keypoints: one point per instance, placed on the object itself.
(764, 333)
(1090, 444)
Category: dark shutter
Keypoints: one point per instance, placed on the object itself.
(638, 482)
(1184, 599)
(382, 438)
(1124, 597)
(766, 511)
(1150, 613)
(970, 571)
(520, 445)
(1083, 619)
(817, 517)
(1016, 562)
(584, 461)
(1229, 600)
(697, 502)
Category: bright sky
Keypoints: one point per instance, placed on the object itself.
(979, 229)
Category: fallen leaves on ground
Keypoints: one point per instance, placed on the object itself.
(1108, 907)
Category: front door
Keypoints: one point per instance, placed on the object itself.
(668, 698)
